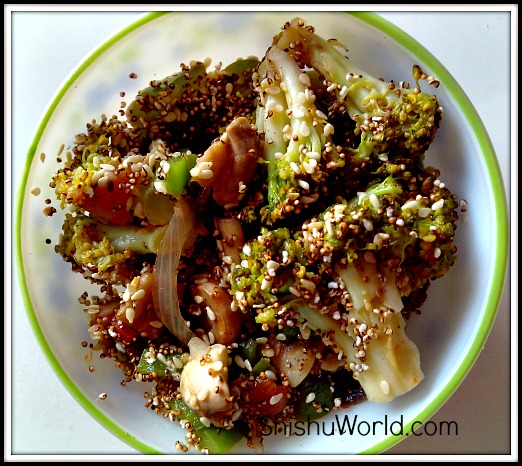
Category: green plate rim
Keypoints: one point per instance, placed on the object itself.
(495, 176)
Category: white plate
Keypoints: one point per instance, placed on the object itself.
(456, 324)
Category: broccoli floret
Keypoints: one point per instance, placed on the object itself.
(186, 107)
(347, 270)
(255, 281)
(107, 253)
(389, 119)
(298, 148)
(408, 224)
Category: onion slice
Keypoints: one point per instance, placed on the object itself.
(180, 236)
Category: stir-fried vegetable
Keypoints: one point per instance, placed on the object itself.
(261, 234)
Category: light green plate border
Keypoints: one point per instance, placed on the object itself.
(501, 222)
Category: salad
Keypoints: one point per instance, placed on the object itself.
(260, 233)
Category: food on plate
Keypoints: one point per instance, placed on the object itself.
(260, 234)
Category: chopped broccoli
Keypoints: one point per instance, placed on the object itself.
(298, 148)
(389, 119)
(112, 253)
(407, 224)
(357, 259)
(173, 108)
(253, 279)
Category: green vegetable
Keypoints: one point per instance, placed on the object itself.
(214, 439)
(166, 92)
(322, 402)
(249, 350)
(262, 365)
(301, 147)
(178, 174)
(111, 250)
(180, 105)
(388, 117)
(146, 367)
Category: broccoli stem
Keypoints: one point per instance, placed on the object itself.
(271, 122)
(138, 239)
(384, 360)
(355, 86)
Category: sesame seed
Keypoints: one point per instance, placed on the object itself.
(266, 284)
(205, 174)
(304, 184)
(328, 129)
(276, 399)
(308, 284)
(239, 361)
(375, 201)
(130, 313)
(210, 313)
(161, 358)
(310, 397)
(140, 294)
(410, 205)
(438, 205)
(295, 168)
(247, 364)
(205, 421)
(385, 387)
(424, 212)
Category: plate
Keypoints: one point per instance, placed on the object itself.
(455, 323)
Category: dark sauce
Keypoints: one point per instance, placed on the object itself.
(347, 388)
